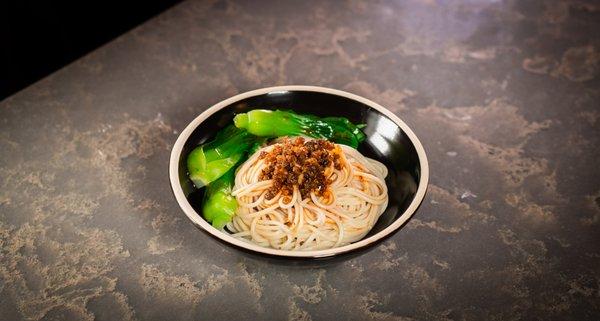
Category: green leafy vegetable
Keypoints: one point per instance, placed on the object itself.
(219, 205)
(276, 123)
(210, 161)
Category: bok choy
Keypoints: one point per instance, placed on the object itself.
(276, 123)
(219, 205)
(210, 161)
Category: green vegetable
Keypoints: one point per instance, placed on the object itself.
(219, 206)
(276, 123)
(209, 161)
(213, 165)
(345, 132)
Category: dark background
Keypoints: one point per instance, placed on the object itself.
(39, 37)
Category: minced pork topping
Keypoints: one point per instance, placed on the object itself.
(300, 162)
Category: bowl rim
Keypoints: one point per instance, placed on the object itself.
(197, 219)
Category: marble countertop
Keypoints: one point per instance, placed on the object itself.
(504, 96)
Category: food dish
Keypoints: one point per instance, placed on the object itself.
(387, 139)
(298, 190)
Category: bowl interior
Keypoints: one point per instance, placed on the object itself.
(386, 142)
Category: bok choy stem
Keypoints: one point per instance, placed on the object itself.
(209, 161)
(219, 205)
(276, 123)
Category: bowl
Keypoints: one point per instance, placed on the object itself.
(389, 140)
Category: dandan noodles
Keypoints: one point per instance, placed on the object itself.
(303, 194)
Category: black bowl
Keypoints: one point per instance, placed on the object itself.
(389, 140)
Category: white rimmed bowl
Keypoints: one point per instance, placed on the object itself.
(389, 140)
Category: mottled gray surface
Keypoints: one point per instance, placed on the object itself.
(503, 94)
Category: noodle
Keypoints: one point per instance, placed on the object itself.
(356, 197)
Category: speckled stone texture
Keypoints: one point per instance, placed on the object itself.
(503, 94)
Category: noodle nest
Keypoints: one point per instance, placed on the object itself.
(356, 196)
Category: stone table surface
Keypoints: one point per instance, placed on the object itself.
(504, 95)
